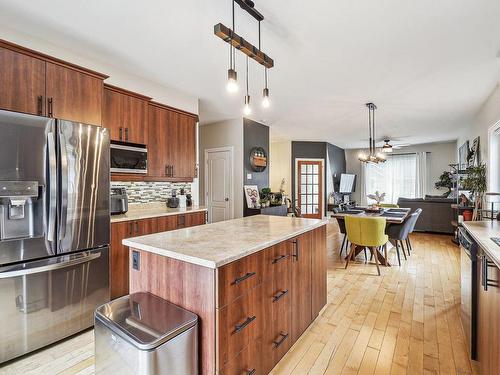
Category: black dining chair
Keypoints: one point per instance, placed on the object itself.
(345, 240)
(400, 232)
(409, 246)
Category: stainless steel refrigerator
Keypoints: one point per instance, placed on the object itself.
(54, 229)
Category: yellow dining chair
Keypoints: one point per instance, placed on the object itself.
(388, 205)
(366, 232)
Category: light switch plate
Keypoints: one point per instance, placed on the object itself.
(249, 176)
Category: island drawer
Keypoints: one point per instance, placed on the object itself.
(236, 278)
(248, 361)
(239, 324)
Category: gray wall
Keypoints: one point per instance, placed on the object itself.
(255, 135)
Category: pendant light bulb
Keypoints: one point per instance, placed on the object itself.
(247, 110)
(232, 81)
(265, 98)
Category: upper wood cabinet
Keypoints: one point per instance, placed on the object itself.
(72, 95)
(22, 82)
(34, 83)
(172, 135)
(125, 114)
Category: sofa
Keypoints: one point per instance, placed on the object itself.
(437, 213)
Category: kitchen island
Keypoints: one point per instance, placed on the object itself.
(256, 284)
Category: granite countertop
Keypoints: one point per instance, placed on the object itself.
(482, 231)
(217, 244)
(137, 211)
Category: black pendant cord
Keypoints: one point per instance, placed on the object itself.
(247, 75)
(370, 128)
(231, 48)
(374, 137)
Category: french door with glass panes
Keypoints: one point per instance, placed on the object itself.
(310, 188)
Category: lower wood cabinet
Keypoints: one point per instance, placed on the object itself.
(119, 254)
(488, 349)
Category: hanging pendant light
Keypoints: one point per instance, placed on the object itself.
(372, 155)
(265, 93)
(232, 76)
(387, 147)
(247, 110)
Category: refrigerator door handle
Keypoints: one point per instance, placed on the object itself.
(52, 200)
(47, 265)
(63, 170)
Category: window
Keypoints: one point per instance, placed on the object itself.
(397, 177)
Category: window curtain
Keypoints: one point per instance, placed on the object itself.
(421, 178)
(397, 177)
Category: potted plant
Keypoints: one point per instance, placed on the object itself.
(377, 197)
(475, 183)
(445, 181)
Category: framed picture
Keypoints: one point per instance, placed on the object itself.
(463, 153)
(252, 196)
(475, 153)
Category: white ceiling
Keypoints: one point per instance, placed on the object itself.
(428, 65)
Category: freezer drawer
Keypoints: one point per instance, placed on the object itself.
(47, 300)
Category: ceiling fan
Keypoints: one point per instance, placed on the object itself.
(388, 147)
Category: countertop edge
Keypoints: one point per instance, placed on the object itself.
(484, 246)
(117, 219)
(212, 264)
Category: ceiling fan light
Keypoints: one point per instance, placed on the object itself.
(232, 81)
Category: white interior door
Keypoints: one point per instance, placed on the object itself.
(219, 184)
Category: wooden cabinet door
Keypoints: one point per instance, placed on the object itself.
(301, 284)
(157, 141)
(146, 226)
(73, 95)
(489, 315)
(319, 266)
(184, 158)
(167, 223)
(112, 114)
(135, 119)
(119, 259)
(195, 218)
(22, 83)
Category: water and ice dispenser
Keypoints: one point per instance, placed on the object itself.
(20, 209)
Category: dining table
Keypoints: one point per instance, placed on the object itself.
(393, 216)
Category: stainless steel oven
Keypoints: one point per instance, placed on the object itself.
(468, 289)
(128, 157)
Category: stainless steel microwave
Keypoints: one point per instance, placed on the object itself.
(128, 157)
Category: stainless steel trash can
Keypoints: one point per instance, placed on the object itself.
(142, 334)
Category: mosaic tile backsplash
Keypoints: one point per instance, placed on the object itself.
(147, 192)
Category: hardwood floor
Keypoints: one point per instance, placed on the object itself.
(404, 322)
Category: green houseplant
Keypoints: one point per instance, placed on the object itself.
(475, 182)
(445, 181)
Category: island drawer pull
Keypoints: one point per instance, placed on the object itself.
(251, 372)
(284, 336)
(279, 295)
(281, 257)
(243, 278)
(296, 244)
(240, 327)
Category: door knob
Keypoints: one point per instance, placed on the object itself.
(226, 199)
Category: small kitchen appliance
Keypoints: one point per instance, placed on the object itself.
(119, 201)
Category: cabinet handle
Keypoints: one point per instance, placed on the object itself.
(283, 336)
(251, 372)
(40, 105)
(130, 228)
(166, 170)
(195, 171)
(173, 173)
(243, 278)
(121, 133)
(281, 257)
(240, 327)
(126, 134)
(296, 245)
(136, 227)
(486, 282)
(50, 102)
(279, 295)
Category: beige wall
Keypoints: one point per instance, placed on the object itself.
(441, 155)
(223, 134)
(280, 165)
(485, 119)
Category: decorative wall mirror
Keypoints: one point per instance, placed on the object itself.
(258, 159)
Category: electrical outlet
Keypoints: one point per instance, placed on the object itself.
(136, 260)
